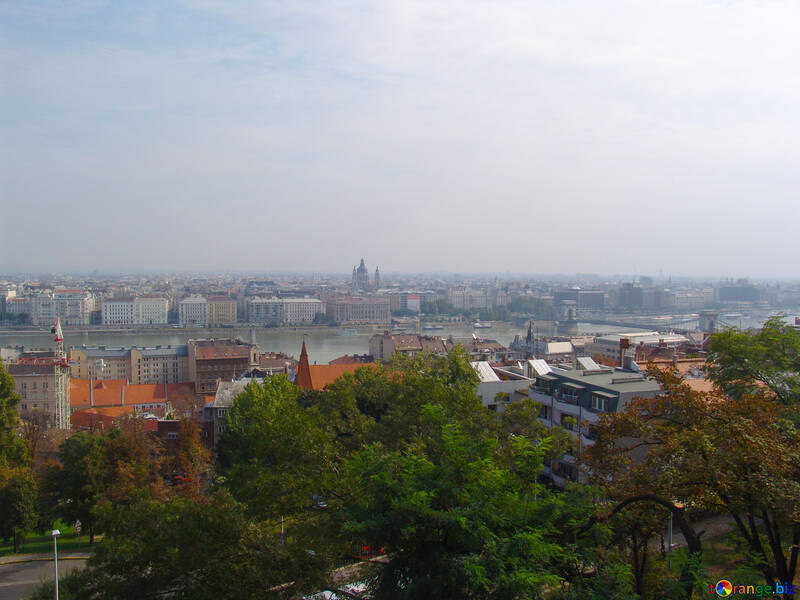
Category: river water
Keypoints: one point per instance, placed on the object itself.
(323, 344)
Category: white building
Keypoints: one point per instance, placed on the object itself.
(118, 311)
(73, 307)
(150, 311)
(284, 311)
(608, 346)
(193, 311)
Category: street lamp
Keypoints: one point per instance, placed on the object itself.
(55, 533)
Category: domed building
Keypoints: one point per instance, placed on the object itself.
(361, 278)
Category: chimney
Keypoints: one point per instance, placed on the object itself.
(91, 393)
(123, 395)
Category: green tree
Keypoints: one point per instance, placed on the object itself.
(78, 482)
(12, 447)
(736, 456)
(452, 518)
(751, 362)
(188, 549)
(19, 495)
(94, 468)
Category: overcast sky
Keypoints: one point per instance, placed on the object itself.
(532, 136)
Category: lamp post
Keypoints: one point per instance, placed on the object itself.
(55, 533)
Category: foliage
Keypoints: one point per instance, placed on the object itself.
(184, 548)
(101, 467)
(452, 517)
(325, 319)
(715, 453)
(751, 362)
(19, 489)
(12, 448)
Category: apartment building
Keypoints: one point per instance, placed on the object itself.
(385, 345)
(608, 346)
(159, 364)
(219, 359)
(359, 310)
(283, 311)
(221, 310)
(73, 307)
(36, 384)
(100, 363)
(150, 311)
(574, 399)
(193, 311)
(117, 311)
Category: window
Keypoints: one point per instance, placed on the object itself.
(600, 403)
(172, 435)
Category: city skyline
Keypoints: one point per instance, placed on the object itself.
(462, 137)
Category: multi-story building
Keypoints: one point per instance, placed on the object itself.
(359, 310)
(161, 364)
(466, 298)
(284, 311)
(585, 300)
(36, 384)
(384, 346)
(20, 305)
(575, 399)
(150, 311)
(221, 311)
(193, 311)
(6, 293)
(219, 359)
(118, 311)
(100, 363)
(610, 346)
(73, 307)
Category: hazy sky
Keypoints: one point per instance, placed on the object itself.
(532, 136)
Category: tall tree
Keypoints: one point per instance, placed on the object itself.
(736, 456)
(12, 447)
(452, 518)
(19, 494)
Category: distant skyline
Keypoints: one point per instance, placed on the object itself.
(459, 136)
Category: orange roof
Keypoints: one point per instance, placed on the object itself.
(324, 375)
(115, 392)
(85, 392)
(318, 377)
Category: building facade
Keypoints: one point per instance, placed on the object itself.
(193, 311)
(117, 311)
(36, 384)
(359, 310)
(283, 311)
(222, 310)
(219, 359)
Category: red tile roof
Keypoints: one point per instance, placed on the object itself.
(109, 392)
(318, 377)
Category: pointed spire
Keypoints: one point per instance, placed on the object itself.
(303, 376)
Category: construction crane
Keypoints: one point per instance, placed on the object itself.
(61, 367)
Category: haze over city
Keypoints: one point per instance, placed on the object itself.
(463, 136)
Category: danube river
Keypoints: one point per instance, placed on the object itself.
(324, 344)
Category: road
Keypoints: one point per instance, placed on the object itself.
(17, 579)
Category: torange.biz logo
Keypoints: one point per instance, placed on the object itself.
(725, 588)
